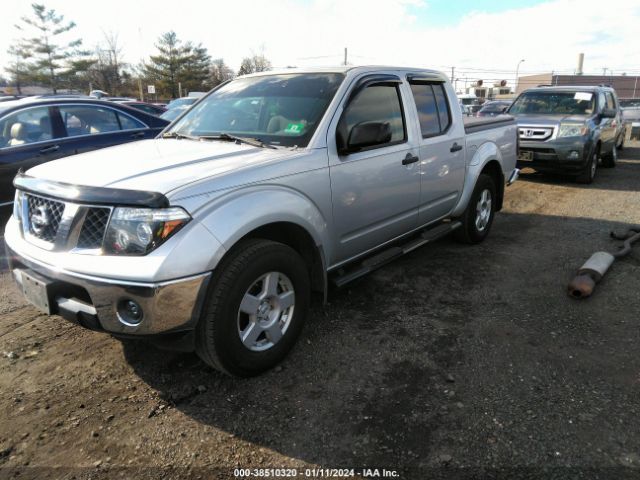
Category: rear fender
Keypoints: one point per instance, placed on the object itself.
(486, 153)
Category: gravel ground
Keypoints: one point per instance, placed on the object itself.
(452, 362)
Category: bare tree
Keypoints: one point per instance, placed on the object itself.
(106, 73)
(220, 72)
(255, 63)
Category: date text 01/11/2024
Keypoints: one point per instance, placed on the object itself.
(315, 473)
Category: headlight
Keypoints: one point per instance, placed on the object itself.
(17, 206)
(137, 231)
(572, 130)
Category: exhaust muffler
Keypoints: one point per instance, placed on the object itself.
(596, 267)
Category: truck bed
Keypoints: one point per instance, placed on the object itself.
(478, 124)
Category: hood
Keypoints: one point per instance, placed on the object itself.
(158, 165)
(549, 119)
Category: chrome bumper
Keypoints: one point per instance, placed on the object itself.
(170, 306)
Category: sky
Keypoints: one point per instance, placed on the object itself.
(481, 39)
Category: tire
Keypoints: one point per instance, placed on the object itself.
(258, 276)
(611, 159)
(589, 173)
(478, 216)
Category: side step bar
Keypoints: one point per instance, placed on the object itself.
(379, 259)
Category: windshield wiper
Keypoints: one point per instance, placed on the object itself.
(256, 142)
(180, 135)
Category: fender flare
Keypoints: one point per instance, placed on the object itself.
(487, 152)
(231, 217)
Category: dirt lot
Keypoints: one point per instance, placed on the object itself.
(453, 362)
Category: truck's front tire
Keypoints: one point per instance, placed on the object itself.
(256, 307)
(478, 216)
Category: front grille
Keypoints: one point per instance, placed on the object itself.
(535, 133)
(44, 217)
(93, 228)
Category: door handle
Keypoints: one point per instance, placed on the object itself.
(137, 135)
(455, 148)
(410, 159)
(51, 149)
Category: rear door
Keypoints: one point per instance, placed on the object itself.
(375, 191)
(441, 147)
(90, 127)
(28, 137)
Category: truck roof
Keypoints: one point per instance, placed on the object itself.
(350, 69)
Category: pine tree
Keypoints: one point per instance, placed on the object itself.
(177, 62)
(43, 50)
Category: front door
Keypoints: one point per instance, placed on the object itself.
(375, 191)
(27, 138)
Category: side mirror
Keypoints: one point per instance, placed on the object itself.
(504, 109)
(367, 134)
(609, 113)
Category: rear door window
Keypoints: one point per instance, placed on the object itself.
(26, 126)
(433, 108)
(88, 120)
(129, 123)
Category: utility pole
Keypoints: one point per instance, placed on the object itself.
(140, 89)
(604, 71)
(453, 70)
(345, 56)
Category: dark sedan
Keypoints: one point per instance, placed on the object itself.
(490, 109)
(144, 106)
(34, 131)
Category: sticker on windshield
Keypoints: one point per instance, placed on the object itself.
(294, 128)
(583, 96)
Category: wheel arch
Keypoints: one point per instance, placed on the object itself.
(272, 213)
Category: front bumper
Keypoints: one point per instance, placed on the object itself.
(562, 155)
(95, 302)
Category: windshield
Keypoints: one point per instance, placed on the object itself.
(550, 103)
(277, 109)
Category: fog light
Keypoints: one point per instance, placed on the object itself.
(130, 312)
(574, 155)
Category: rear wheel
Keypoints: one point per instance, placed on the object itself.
(255, 310)
(478, 217)
(589, 173)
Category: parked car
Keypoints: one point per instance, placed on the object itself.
(182, 102)
(38, 130)
(144, 106)
(569, 129)
(172, 113)
(213, 236)
(493, 108)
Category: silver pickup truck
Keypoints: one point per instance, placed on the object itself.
(213, 236)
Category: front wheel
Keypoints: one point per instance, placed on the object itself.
(478, 216)
(589, 173)
(610, 160)
(255, 309)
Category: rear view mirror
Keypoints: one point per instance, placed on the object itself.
(367, 134)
